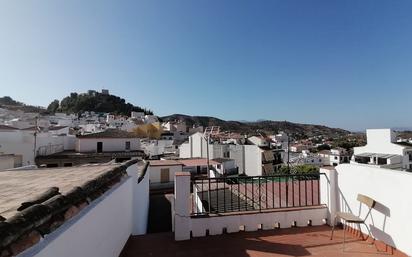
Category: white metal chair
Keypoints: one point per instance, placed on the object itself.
(351, 218)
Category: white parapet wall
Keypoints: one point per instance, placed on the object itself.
(389, 220)
(101, 229)
(140, 199)
(283, 218)
(186, 225)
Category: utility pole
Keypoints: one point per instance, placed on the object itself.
(208, 171)
(207, 156)
(288, 152)
(35, 139)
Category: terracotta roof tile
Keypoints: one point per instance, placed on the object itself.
(109, 133)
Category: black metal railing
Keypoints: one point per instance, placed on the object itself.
(255, 193)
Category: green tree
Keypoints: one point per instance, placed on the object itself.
(323, 147)
(53, 106)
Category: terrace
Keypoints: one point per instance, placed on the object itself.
(297, 207)
(102, 210)
(308, 241)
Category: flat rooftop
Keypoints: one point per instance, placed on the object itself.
(18, 186)
(308, 241)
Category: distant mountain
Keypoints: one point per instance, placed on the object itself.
(9, 103)
(96, 102)
(267, 126)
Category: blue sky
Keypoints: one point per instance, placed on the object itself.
(339, 63)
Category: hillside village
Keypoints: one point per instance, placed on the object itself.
(220, 171)
(60, 139)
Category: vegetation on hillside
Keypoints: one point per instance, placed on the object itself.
(295, 130)
(350, 141)
(9, 103)
(96, 102)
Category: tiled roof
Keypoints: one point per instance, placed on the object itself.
(165, 163)
(197, 162)
(109, 133)
(36, 202)
(57, 127)
(222, 160)
(5, 127)
(325, 152)
(404, 144)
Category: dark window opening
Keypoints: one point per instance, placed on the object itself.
(99, 147)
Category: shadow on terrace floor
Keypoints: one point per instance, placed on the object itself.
(309, 241)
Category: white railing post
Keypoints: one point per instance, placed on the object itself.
(182, 206)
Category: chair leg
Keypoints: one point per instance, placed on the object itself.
(360, 231)
(369, 233)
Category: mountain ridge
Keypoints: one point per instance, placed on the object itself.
(251, 127)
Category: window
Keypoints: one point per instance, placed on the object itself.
(127, 145)
(336, 157)
(164, 175)
(382, 161)
(99, 147)
(52, 165)
(67, 164)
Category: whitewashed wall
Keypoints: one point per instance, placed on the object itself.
(22, 143)
(392, 189)
(253, 160)
(256, 221)
(69, 142)
(101, 229)
(140, 200)
(18, 142)
(184, 150)
(156, 170)
(379, 141)
(109, 144)
(6, 162)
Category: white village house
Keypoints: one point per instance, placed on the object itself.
(110, 140)
(383, 151)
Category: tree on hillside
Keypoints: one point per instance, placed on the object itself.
(323, 147)
(97, 102)
(7, 100)
(53, 106)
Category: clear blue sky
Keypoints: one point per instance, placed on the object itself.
(340, 63)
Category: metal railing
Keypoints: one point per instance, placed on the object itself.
(255, 193)
(49, 149)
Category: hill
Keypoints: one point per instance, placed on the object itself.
(267, 126)
(9, 103)
(96, 102)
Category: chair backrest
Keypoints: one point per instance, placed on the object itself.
(366, 201)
